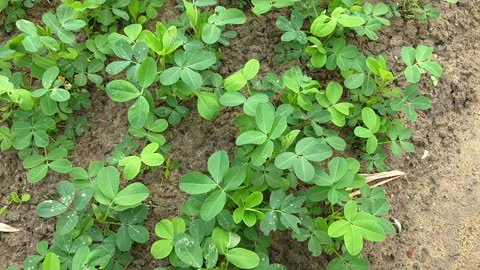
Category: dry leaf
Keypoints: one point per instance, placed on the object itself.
(6, 228)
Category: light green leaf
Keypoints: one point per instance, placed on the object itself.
(147, 72)
(243, 258)
(132, 166)
(50, 208)
(213, 205)
(161, 249)
(191, 78)
(150, 157)
(264, 117)
(61, 165)
(235, 82)
(170, 75)
(353, 241)
(251, 69)
(285, 160)
(51, 262)
(208, 105)
(338, 228)
(108, 181)
(121, 91)
(131, 195)
(196, 183)
(188, 250)
(251, 137)
(218, 165)
(304, 169)
(138, 113)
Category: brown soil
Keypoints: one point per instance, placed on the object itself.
(438, 203)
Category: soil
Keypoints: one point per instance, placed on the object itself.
(437, 204)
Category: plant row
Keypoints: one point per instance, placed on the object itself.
(290, 170)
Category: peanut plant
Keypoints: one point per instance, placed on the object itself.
(301, 148)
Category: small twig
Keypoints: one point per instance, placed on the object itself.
(391, 175)
(7, 228)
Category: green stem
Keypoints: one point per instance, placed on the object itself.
(314, 8)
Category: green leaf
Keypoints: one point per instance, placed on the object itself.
(231, 99)
(51, 262)
(165, 229)
(251, 69)
(131, 195)
(161, 249)
(264, 117)
(218, 164)
(121, 91)
(234, 178)
(349, 21)
(138, 113)
(170, 75)
(50, 76)
(433, 67)
(38, 173)
(423, 53)
(80, 258)
(334, 92)
(200, 59)
(27, 27)
(337, 168)
(50, 208)
(147, 72)
(304, 169)
(123, 49)
(368, 226)
(362, 132)
(116, 67)
(123, 240)
(150, 157)
(250, 106)
(235, 82)
(338, 228)
(372, 144)
(413, 74)
(312, 150)
(138, 233)
(370, 119)
(243, 258)
(320, 28)
(353, 241)
(61, 165)
(221, 239)
(210, 33)
(191, 78)
(132, 166)
(285, 160)
(188, 250)
(408, 55)
(196, 183)
(132, 31)
(208, 105)
(350, 210)
(213, 205)
(230, 16)
(251, 137)
(262, 153)
(354, 81)
(66, 223)
(108, 181)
